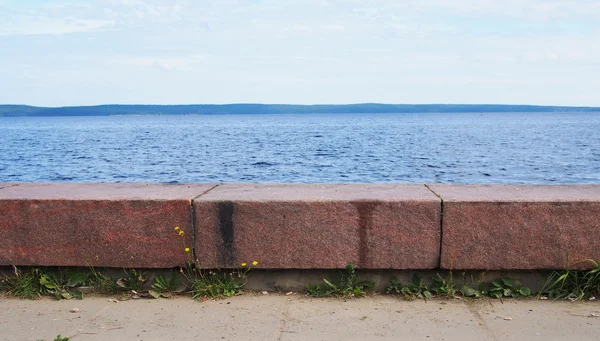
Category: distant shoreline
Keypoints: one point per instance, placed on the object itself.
(232, 109)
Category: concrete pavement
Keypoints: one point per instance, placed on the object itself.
(278, 317)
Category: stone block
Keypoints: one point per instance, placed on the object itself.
(105, 225)
(318, 226)
(519, 227)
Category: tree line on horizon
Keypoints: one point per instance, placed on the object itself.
(215, 109)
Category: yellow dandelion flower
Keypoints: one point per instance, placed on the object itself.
(176, 228)
(181, 233)
(255, 263)
(244, 265)
(187, 249)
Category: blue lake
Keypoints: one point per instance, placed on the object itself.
(533, 148)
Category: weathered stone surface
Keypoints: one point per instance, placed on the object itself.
(519, 226)
(318, 226)
(112, 225)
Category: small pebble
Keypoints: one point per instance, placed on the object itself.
(265, 293)
(75, 310)
(289, 293)
(507, 318)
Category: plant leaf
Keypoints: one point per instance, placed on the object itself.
(122, 282)
(47, 282)
(155, 293)
(524, 291)
(329, 284)
(76, 278)
(508, 282)
(496, 294)
(416, 280)
(467, 291)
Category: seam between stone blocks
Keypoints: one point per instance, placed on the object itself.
(193, 220)
(441, 223)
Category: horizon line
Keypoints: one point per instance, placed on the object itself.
(293, 104)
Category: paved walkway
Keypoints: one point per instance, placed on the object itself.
(279, 317)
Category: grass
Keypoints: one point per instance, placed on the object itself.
(217, 284)
(348, 284)
(573, 284)
(62, 283)
(416, 289)
(23, 284)
(102, 283)
(207, 283)
(445, 287)
(37, 282)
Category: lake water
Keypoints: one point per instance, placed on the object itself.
(518, 148)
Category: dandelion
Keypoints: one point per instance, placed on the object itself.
(176, 228)
(244, 265)
(255, 263)
(181, 233)
(187, 249)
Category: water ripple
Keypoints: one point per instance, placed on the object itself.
(415, 148)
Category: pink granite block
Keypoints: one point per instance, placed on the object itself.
(318, 226)
(518, 227)
(112, 225)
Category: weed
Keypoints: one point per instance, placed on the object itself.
(61, 284)
(36, 282)
(573, 284)
(23, 284)
(102, 284)
(217, 284)
(165, 287)
(443, 286)
(134, 281)
(416, 289)
(506, 287)
(347, 285)
(213, 283)
(468, 291)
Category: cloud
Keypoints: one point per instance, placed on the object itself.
(63, 18)
(305, 51)
(530, 9)
(48, 26)
(164, 63)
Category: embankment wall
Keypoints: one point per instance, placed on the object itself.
(297, 226)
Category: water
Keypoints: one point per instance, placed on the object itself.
(534, 148)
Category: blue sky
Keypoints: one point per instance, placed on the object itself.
(56, 53)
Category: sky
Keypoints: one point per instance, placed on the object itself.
(87, 52)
